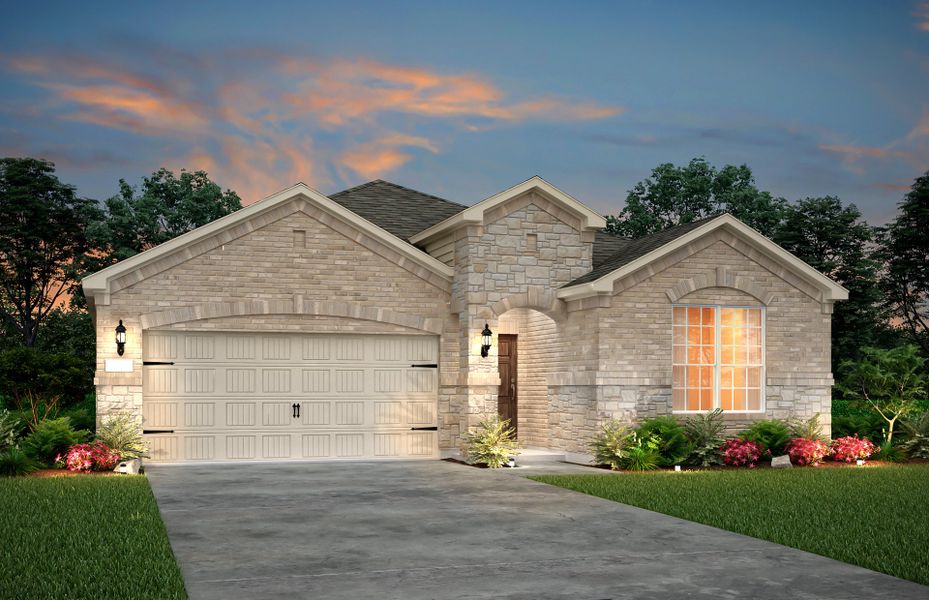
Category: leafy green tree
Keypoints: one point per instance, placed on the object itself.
(676, 195)
(43, 242)
(905, 249)
(890, 382)
(834, 240)
(164, 207)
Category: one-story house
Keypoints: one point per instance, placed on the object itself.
(353, 326)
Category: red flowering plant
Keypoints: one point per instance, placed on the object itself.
(805, 451)
(89, 457)
(740, 453)
(851, 448)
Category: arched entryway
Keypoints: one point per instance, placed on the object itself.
(527, 353)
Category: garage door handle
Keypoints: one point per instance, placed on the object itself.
(296, 410)
(426, 366)
(424, 428)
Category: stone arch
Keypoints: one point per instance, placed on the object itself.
(721, 277)
(543, 300)
(297, 306)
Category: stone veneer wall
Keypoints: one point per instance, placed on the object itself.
(262, 271)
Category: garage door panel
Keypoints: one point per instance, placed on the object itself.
(231, 396)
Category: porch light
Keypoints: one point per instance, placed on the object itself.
(120, 338)
(485, 340)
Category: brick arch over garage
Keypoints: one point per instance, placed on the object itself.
(542, 300)
(298, 306)
(721, 277)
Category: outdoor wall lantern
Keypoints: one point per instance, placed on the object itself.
(120, 338)
(485, 340)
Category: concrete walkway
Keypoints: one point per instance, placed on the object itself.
(441, 530)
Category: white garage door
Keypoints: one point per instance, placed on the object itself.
(273, 396)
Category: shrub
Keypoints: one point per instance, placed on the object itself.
(807, 451)
(90, 457)
(917, 436)
(122, 433)
(610, 445)
(740, 453)
(851, 448)
(705, 434)
(673, 447)
(10, 427)
(771, 436)
(46, 374)
(84, 414)
(641, 454)
(492, 444)
(864, 426)
(808, 429)
(33, 408)
(891, 453)
(50, 438)
(14, 462)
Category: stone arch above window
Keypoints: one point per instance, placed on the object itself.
(721, 277)
(543, 300)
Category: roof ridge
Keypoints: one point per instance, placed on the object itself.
(399, 187)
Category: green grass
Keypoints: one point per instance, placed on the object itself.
(84, 537)
(875, 517)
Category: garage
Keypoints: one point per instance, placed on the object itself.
(229, 396)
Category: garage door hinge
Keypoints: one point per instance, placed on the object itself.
(427, 366)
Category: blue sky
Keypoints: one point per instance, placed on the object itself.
(463, 101)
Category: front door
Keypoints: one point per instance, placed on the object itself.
(506, 361)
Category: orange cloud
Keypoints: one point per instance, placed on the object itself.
(922, 13)
(854, 153)
(375, 159)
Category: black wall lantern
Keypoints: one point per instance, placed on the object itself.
(485, 340)
(120, 338)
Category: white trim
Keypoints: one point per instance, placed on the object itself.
(98, 284)
(717, 361)
(832, 291)
(590, 219)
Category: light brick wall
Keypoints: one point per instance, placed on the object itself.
(263, 265)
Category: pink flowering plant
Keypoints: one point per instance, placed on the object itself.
(89, 457)
(740, 453)
(805, 451)
(851, 448)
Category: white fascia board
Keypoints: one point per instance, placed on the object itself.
(590, 219)
(97, 284)
(832, 290)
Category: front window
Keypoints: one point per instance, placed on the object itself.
(718, 358)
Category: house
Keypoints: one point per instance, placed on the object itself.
(305, 326)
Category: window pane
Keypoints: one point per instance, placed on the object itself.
(754, 377)
(706, 377)
(727, 336)
(709, 316)
(680, 355)
(693, 315)
(709, 335)
(706, 402)
(679, 400)
(693, 335)
(680, 315)
(738, 399)
(679, 375)
(725, 377)
(726, 355)
(693, 377)
(693, 399)
(738, 379)
(753, 317)
(680, 335)
(725, 398)
(754, 399)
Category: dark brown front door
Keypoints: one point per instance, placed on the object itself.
(506, 361)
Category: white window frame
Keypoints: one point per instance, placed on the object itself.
(716, 359)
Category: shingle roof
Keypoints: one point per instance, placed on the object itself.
(606, 245)
(399, 210)
(636, 248)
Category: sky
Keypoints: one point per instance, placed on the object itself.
(463, 100)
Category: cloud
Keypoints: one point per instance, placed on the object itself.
(855, 153)
(922, 15)
(892, 187)
(266, 120)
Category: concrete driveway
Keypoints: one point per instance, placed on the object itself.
(439, 530)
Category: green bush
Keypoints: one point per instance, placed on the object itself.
(10, 429)
(916, 430)
(121, 433)
(45, 374)
(642, 454)
(84, 414)
(771, 435)
(673, 446)
(493, 444)
(807, 429)
(611, 444)
(50, 438)
(866, 426)
(14, 462)
(705, 434)
(891, 453)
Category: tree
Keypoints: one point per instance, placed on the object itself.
(834, 240)
(43, 242)
(163, 208)
(905, 249)
(891, 382)
(676, 195)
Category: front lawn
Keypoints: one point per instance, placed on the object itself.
(84, 537)
(874, 516)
